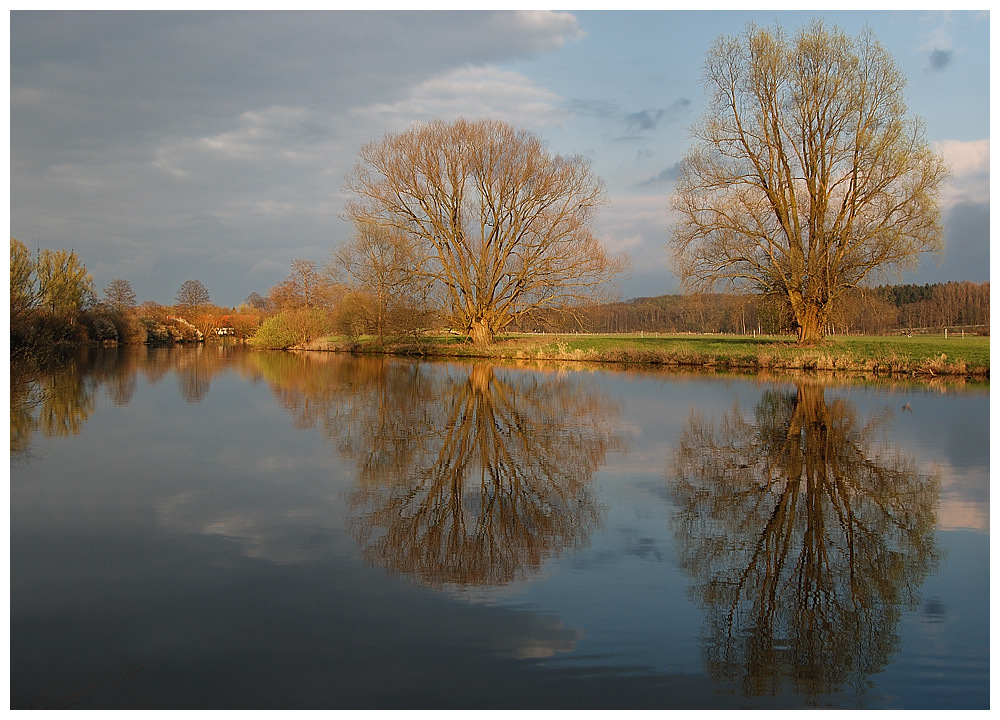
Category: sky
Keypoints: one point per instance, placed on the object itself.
(213, 146)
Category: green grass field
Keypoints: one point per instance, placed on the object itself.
(919, 355)
(973, 350)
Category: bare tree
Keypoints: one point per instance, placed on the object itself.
(256, 301)
(192, 295)
(379, 267)
(808, 174)
(305, 287)
(503, 227)
(119, 295)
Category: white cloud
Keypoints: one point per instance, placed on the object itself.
(965, 158)
(268, 162)
(969, 163)
(472, 92)
(548, 31)
(625, 217)
(278, 128)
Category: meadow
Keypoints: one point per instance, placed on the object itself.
(921, 355)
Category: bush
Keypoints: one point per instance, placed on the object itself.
(130, 330)
(51, 329)
(167, 330)
(351, 319)
(103, 329)
(275, 333)
(290, 328)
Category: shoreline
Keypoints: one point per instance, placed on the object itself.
(878, 357)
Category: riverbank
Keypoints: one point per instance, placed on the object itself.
(926, 356)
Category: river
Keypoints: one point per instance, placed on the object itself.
(217, 528)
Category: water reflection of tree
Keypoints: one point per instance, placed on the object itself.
(806, 537)
(57, 395)
(53, 398)
(484, 484)
(466, 474)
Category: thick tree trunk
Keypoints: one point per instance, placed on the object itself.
(481, 333)
(812, 324)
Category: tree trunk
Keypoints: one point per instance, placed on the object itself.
(481, 333)
(812, 324)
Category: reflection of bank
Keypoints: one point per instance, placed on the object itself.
(806, 536)
(475, 476)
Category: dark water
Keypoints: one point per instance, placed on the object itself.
(209, 528)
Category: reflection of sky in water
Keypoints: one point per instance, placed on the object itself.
(218, 525)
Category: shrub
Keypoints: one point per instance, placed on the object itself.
(168, 330)
(351, 319)
(103, 329)
(130, 330)
(290, 328)
(104, 323)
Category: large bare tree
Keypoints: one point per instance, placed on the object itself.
(808, 176)
(503, 226)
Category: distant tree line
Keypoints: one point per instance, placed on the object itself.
(888, 309)
(953, 304)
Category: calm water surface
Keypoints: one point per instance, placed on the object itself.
(212, 528)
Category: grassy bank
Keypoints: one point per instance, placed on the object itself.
(921, 355)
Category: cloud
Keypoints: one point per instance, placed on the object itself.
(638, 225)
(277, 130)
(602, 109)
(969, 163)
(635, 123)
(472, 92)
(644, 120)
(938, 59)
(539, 30)
(648, 120)
(966, 247)
(938, 50)
(965, 158)
(264, 143)
(215, 58)
(664, 177)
